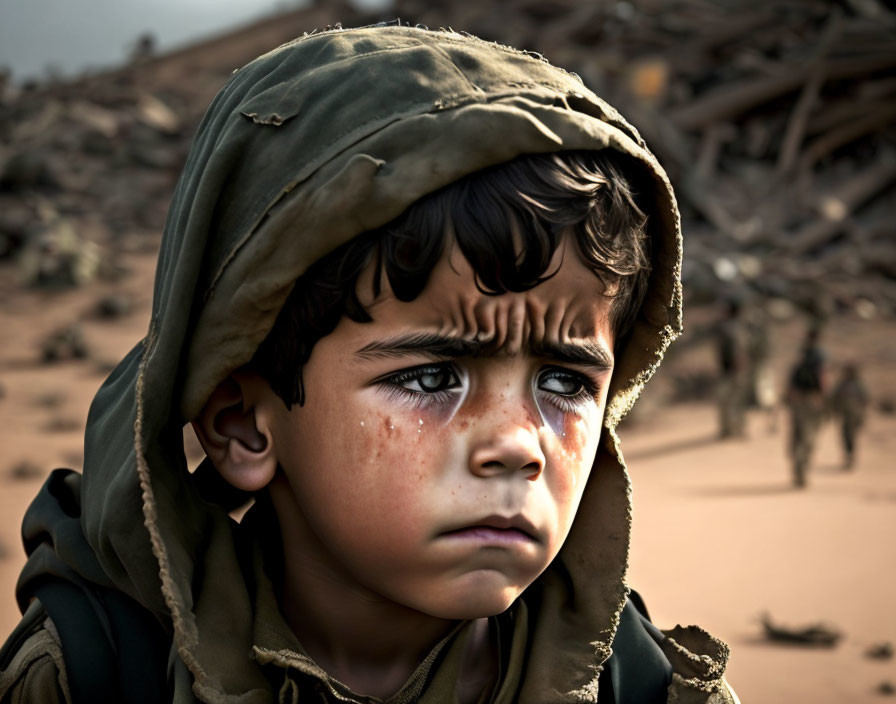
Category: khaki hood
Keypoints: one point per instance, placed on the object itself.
(306, 147)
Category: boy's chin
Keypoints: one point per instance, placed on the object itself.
(475, 604)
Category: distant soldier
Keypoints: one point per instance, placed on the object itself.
(732, 351)
(762, 389)
(849, 401)
(806, 401)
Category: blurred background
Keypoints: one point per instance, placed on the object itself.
(777, 124)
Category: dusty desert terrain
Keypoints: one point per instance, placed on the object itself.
(719, 535)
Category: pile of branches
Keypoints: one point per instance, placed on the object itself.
(776, 122)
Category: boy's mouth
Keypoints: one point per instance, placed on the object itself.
(496, 528)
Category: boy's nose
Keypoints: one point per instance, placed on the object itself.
(513, 450)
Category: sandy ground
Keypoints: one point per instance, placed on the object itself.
(719, 535)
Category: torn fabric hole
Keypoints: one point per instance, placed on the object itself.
(270, 119)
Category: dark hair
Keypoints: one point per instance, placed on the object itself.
(534, 198)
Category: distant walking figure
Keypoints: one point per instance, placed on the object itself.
(762, 387)
(731, 349)
(849, 401)
(806, 401)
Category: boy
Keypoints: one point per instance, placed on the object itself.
(409, 284)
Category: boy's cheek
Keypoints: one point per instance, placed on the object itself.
(576, 443)
(390, 444)
(417, 437)
(579, 440)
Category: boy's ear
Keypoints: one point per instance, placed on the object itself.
(229, 432)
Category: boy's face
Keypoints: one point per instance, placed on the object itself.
(443, 448)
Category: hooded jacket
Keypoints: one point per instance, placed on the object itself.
(338, 132)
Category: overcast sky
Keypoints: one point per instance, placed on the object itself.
(71, 35)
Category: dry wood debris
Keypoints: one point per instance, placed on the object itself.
(816, 635)
(776, 121)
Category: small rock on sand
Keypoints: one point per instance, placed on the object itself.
(25, 470)
(880, 651)
(65, 343)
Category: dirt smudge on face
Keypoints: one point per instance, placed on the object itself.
(574, 438)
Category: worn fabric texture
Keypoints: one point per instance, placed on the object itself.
(296, 155)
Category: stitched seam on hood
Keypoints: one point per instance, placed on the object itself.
(150, 515)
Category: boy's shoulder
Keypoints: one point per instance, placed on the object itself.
(653, 666)
(80, 638)
(31, 663)
(79, 642)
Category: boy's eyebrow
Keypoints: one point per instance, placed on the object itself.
(589, 353)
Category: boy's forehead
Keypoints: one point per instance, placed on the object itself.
(567, 308)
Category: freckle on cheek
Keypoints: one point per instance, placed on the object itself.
(474, 405)
(532, 418)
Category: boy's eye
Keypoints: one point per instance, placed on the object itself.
(566, 390)
(563, 383)
(436, 380)
(427, 380)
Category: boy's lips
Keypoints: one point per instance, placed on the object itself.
(496, 528)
